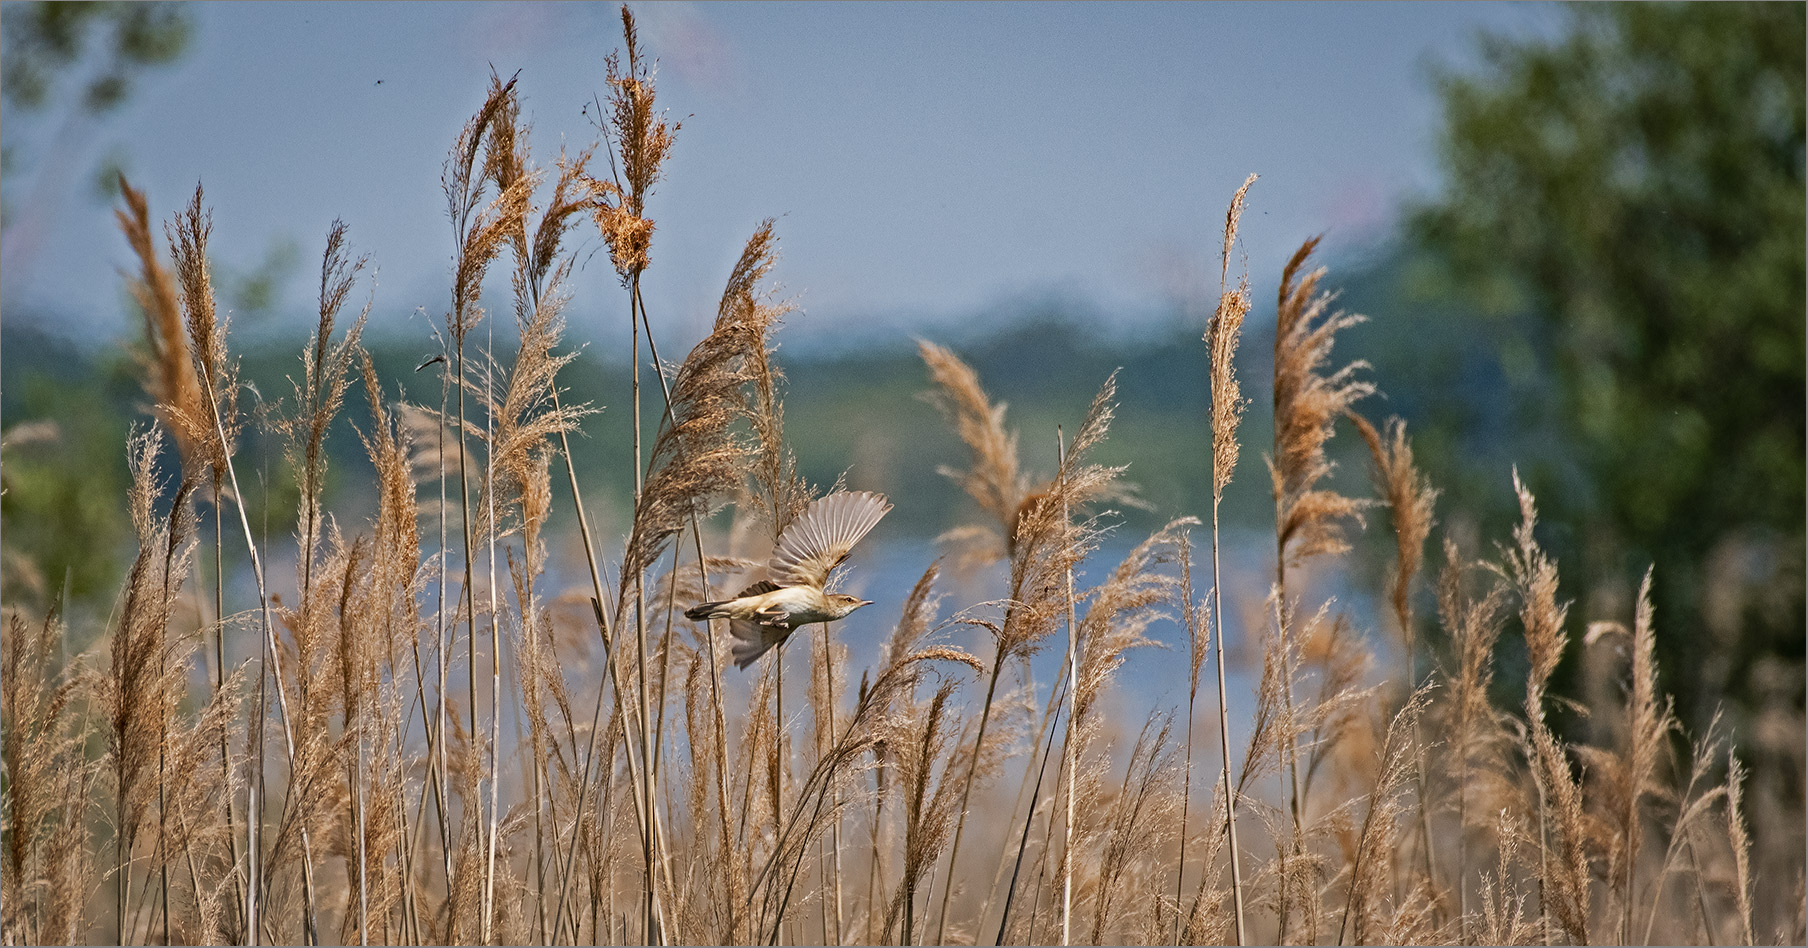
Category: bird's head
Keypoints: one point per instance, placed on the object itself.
(846, 604)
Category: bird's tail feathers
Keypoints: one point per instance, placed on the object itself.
(705, 610)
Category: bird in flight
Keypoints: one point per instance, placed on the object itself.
(793, 594)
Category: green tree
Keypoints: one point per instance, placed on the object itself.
(99, 47)
(45, 40)
(1627, 201)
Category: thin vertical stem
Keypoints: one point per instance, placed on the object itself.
(1073, 686)
(1029, 817)
(219, 682)
(985, 715)
(780, 763)
(271, 660)
(1281, 618)
(442, 633)
(1186, 800)
(1230, 789)
(489, 463)
(829, 675)
(464, 506)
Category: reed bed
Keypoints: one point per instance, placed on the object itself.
(427, 742)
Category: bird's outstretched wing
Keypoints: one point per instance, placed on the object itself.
(818, 541)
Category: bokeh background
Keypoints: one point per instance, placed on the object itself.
(1578, 233)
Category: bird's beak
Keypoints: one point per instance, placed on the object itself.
(866, 602)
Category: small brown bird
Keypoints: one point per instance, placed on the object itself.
(767, 612)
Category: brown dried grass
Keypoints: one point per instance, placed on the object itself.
(398, 809)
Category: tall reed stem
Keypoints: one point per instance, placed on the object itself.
(1073, 690)
(1230, 788)
(489, 464)
(960, 825)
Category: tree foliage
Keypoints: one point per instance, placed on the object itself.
(1628, 197)
(45, 40)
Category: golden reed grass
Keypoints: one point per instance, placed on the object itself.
(419, 738)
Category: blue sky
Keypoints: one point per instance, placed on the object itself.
(928, 163)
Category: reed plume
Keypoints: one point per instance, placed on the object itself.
(1139, 825)
(1476, 737)
(1625, 777)
(1309, 519)
(1410, 500)
(1740, 842)
(169, 370)
(45, 879)
(1563, 833)
(993, 480)
(1221, 336)
(1377, 840)
(394, 811)
(1046, 543)
(142, 687)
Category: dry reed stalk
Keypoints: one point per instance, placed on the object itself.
(875, 722)
(1135, 827)
(822, 706)
(644, 140)
(1473, 625)
(194, 826)
(1564, 874)
(1503, 904)
(506, 164)
(326, 373)
(1379, 833)
(393, 610)
(1032, 540)
(1306, 403)
(916, 621)
(698, 458)
(571, 196)
(928, 802)
(1221, 336)
(1210, 917)
(436, 722)
(1048, 542)
(1626, 777)
(1265, 752)
(1740, 842)
(326, 369)
(1691, 808)
(46, 831)
(1063, 694)
(170, 375)
(141, 689)
(1341, 664)
(1046, 738)
(1122, 609)
(994, 479)
(188, 235)
(173, 381)
(1073, 690)
(479, 237)
(777, 492)
(1021, 701)
(1196, 618)
(529, 413)
(1410, 500)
